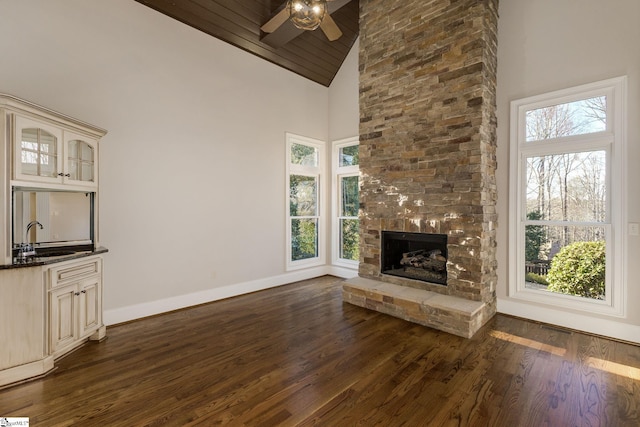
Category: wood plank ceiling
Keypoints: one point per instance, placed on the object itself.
(238, 22)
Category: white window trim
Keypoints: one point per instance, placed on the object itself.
(309, 171)
(336, 172)
(616, 293)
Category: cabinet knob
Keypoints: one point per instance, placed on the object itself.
(84, 292)
(76, 293)
(68, 175)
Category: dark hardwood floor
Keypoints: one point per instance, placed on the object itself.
(298, 355)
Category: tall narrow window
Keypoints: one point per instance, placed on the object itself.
(304, 190)
(346, 237)
(567, 210)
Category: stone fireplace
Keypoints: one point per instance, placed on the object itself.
(427, 156)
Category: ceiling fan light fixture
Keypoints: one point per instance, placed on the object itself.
(307, 14)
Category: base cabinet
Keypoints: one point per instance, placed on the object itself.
(45, 312)
(63, 308)
(23, 311)
(75, 304)
(90, 316)
(75, 312)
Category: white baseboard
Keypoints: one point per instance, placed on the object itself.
(579, 322)
(137, 311)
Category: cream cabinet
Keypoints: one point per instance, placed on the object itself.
(50, 304)
(23, 332)
(75, 303)
(47, 311)
(53, 154)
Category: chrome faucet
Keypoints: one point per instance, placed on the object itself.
(26, 249)
(31, 224)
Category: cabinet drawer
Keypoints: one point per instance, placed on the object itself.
(72, 272)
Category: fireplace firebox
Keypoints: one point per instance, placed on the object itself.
(418, 256)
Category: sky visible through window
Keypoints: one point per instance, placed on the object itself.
(561, 120)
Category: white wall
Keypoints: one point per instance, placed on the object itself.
(344, 122)
(546, 45)
(192, 170)
(344, 106)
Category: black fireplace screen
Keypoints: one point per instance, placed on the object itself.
(419, 256)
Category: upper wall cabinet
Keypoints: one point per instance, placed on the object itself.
(52, 154)
(43, 149)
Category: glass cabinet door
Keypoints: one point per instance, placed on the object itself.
(46, 153)
(80, 160)
(39, 155)
(37, 148)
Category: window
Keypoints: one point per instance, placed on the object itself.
(305, 199)
(346, 237)
(566, 199)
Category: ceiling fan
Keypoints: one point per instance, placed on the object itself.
(305, 15)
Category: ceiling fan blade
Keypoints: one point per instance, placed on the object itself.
(275, 22)
(330, 28)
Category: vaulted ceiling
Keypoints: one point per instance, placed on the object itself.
(307, 53)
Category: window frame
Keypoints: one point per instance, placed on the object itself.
(337, 173)
(613, 142)
(312, 171)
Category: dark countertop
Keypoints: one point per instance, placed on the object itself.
(34, 261)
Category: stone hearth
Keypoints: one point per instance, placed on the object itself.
(427, 155)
